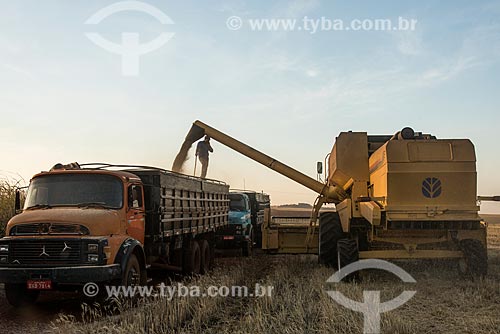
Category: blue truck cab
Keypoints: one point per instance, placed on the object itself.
(239, 233)
(246, 217)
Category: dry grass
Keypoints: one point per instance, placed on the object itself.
(444, 302)
(7, 199)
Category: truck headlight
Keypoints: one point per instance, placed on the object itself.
(93, 258)
(4, 248)
(93, 248)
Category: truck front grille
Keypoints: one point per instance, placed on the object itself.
(49, 228)
(230, 229)
(46, 252)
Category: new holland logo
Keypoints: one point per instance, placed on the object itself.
(431, 187)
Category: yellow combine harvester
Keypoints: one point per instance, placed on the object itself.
(402, 196)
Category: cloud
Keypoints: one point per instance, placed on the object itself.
(299, 8)
(233, 7)
(448, 70)
(312, 73)
(18, 70)
(480, 47)
(409, 43)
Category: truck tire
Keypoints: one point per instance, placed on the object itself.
(348, 253)
(212, 254)
(132, 274)
(205, 256)
(258, 236)
(330, 232)
(19, 296)
(191, 262)
(475, 262)
(247, 246)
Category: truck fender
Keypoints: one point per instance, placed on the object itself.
(130, 246)
(250, 229)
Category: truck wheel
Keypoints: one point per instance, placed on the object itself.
(258, 236)
(205, 256)
(330, 232)
(18, 295)
(212, 254)
(475, 262)
(132, 274)
(347, 250)
(192, 259)
(247, 249)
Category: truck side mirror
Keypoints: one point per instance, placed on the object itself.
(17, 205)
(319, 167)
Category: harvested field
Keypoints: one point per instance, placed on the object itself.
(444, 302)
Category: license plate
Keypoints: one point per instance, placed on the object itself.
(39, 285)
(229, 237)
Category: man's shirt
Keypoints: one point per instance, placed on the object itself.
(203, 148)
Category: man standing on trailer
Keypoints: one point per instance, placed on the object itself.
(202, 151)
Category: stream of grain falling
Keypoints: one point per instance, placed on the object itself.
(194, 134)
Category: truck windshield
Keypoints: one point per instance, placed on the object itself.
(75, 190)
(237, 202)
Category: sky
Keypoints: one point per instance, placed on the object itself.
(287, 93)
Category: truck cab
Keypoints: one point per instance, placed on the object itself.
(239, 233)
(72, 229)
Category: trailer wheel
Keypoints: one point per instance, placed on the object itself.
(132, 274)
(18, 295)
(247, 249)
(347, 250)
(475, 262)
(330, 232)
(212, 253)
(205, 256)
(192, 259)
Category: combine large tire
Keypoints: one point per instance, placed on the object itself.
(347, 250)
(330, 232)
(475, 263)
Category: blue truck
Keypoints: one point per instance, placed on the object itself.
(246, 216)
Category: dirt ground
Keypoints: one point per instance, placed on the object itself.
(444, 302)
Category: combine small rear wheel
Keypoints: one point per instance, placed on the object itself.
(330, 232)
(475, 263)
